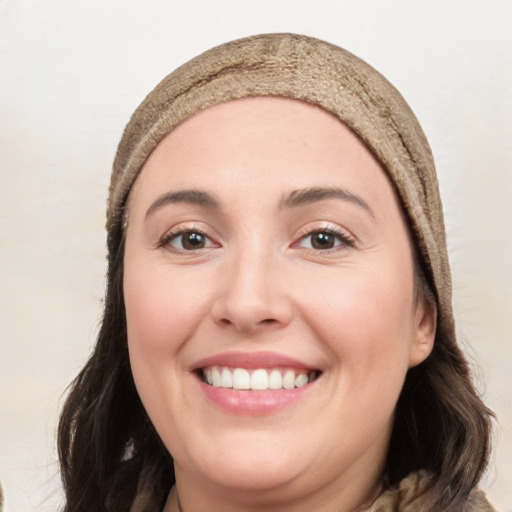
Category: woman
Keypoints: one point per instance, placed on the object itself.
(278, 332)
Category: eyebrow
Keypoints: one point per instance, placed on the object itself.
(189, 196)
(315, 194)
(293, 199)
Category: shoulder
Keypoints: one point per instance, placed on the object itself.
(403, 497)
(478, 503)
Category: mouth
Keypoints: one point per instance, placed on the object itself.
(256, 379)
(255, 384)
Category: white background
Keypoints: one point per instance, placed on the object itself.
(72, 72)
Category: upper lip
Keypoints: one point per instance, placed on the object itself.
(251, 360)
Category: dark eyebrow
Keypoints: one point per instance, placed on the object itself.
(189, 196)
(312, 195)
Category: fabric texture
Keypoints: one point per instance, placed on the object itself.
(401, 498)
(319, 73)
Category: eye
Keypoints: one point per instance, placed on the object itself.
(325, 239)
(187, 240)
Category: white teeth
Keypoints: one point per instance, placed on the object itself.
(289, 379)
(259, 379)
(301, 380)
(216, 378)
(275, 380)
(226, 379)
(241, 379)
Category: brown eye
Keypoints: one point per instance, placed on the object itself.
(322, 240)
(189, 241)
(325, 239)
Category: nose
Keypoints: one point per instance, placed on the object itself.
(253, 296)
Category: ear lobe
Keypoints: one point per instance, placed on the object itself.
(425, 323)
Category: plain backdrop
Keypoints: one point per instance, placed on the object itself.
(72, 72)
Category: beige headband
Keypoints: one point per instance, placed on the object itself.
(307, 69)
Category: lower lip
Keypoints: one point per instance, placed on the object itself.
(254, 403)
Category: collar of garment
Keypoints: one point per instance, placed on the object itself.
(401, 498)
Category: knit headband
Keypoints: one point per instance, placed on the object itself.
(319, 73)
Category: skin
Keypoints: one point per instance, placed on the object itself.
(259, 284)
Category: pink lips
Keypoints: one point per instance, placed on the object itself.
(251, 360)
(251, 402)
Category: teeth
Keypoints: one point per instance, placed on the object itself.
(275, 380)
(241, 379)
(258, 380)
(301, 380)
(289, 379)
(216, 378)
(226, 379)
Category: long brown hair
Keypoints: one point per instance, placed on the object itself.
(104, 433)
(108, 447)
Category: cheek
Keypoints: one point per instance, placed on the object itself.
(152, 330)
(163, 311)
(365, 318)
(162, 307)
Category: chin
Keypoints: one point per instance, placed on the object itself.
(251, 461)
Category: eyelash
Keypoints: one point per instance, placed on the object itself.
(169, 237)
(345, 241)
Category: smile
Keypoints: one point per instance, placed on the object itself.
(255, 383)
(257, 379)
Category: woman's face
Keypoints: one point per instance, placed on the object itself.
(266, 248)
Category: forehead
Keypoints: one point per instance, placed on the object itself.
(261, 119)
(263, 145)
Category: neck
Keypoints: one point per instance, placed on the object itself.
(173, 502)
(341, 500)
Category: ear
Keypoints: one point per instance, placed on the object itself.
(424, 331)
